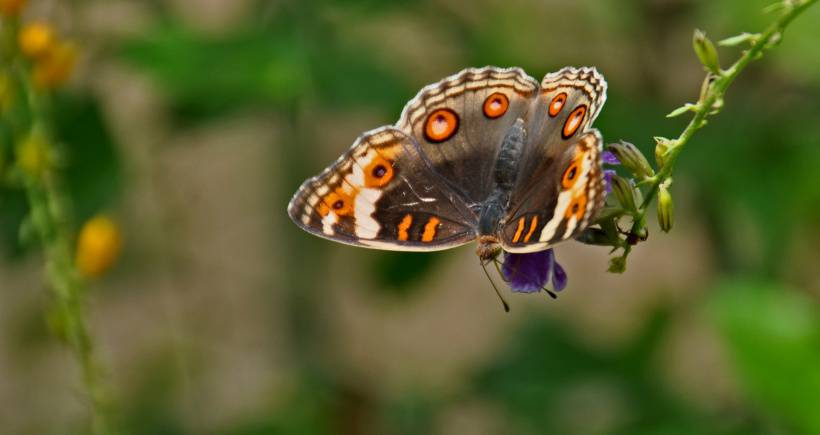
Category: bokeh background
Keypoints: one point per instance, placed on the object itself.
(193, 122)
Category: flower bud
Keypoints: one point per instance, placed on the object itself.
(665, 208)
(706, 51)
(624, 192)
(632, 159)
(34, 156)
(55, 67)
(661, 148)
(35, 39)
(98, 246)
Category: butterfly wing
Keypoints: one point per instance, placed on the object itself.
(383, 194)
(437, 162)
(461, 121)
(559, 187)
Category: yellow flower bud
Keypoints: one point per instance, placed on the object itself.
(661, 148)
(665, 208)
(34, 156)
(98, 246)
(55, 66)
(12, 8)
(36, 39)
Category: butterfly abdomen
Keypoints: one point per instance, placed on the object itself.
(504, 177)
(506, 164)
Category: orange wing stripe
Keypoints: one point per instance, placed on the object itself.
(430, 229)
(519, 230)
(533, 224)
(404, 225)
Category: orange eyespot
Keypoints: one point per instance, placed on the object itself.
(574, 121)
(572, 173)
(441, 125)
(557, 104)
(379, 172)
(496, 105)
(337, 202)
(577, 207)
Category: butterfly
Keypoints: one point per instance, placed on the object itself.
(488, 155)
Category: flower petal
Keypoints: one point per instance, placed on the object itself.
(527, 273)
(608, 157)
(608, 174)
(559, 277)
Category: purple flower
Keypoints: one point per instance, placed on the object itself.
(529, 273)
(609, 158)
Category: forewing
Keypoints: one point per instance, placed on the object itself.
(383, 194)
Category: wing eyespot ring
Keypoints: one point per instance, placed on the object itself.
(378, 172)
(441, 125)
(577, 207)
(337, 202)
(574, 121)
(496, 105)
(571, 174)
(557, 104)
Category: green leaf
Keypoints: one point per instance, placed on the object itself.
(739, 39)
(688, 107)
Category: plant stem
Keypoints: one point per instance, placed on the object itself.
(49, 219)
(51, 226)
(715, 91)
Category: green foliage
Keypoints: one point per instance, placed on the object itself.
(262, 65)
(91, 166)
(546, 381)
(207, 76)
(93, 172)
(773, 334)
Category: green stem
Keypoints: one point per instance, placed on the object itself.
(68, 290)
(49, 219)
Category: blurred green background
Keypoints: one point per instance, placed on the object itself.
(194, 121)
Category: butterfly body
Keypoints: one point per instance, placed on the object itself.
(487, 154)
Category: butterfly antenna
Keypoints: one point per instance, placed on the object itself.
(498, 268)
(503, 302)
